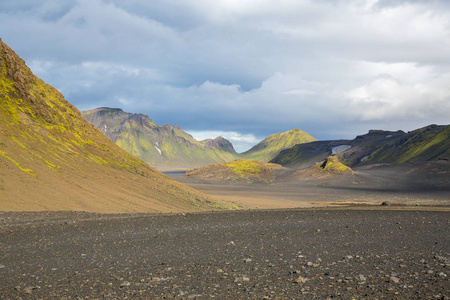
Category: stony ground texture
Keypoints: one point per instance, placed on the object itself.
(296, 254)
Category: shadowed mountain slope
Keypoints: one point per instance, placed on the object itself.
(53, 159)
(425, 144)
(164, 147)
(377, 146)
(273, 144)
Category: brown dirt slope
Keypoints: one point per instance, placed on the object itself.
(53, 159)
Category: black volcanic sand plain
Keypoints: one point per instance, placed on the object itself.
(352, 253)
(414, 184)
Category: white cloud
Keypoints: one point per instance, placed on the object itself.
(41, 67)
(386, 98)
(253, 67)
(407, 72)
(100, 68)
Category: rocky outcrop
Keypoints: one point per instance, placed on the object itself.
(218, 143)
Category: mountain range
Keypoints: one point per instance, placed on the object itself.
(51, 158)
(168, 147)
(430, 143)
(385, 160)
(164, 146)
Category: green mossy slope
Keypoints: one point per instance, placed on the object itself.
(424, 144)
(241, 170)
(273, 144)
(164, 147)
(53, 159)
(333, 165)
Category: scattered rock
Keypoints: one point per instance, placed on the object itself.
(125, 284)
(361, 278)
(301, 279)
(28, 289)
(255, 267)
(240, 279)
(394, 279)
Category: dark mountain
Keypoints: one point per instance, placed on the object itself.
(425, 144)
(377, 146)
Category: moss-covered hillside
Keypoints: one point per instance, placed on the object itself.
(333, 165)
(329, 169)
(241, 170)
(424, 144)
(164, 147)
(53, 159)
(377, 146)
(273, 144)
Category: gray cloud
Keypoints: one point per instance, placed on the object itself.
(332, 68)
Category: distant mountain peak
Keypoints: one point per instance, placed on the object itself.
(109, 109)
(219, 143)
(163, 146)
(273, 144)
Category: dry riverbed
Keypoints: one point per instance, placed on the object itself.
(380, 253)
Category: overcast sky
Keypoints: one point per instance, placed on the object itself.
(244, 69)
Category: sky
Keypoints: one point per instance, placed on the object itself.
(244, 69)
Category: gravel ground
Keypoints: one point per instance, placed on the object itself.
(285, 254)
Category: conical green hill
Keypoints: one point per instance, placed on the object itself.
(273, 144)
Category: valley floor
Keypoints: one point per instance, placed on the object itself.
(351, 253)
(425, 184)
(287, 195)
